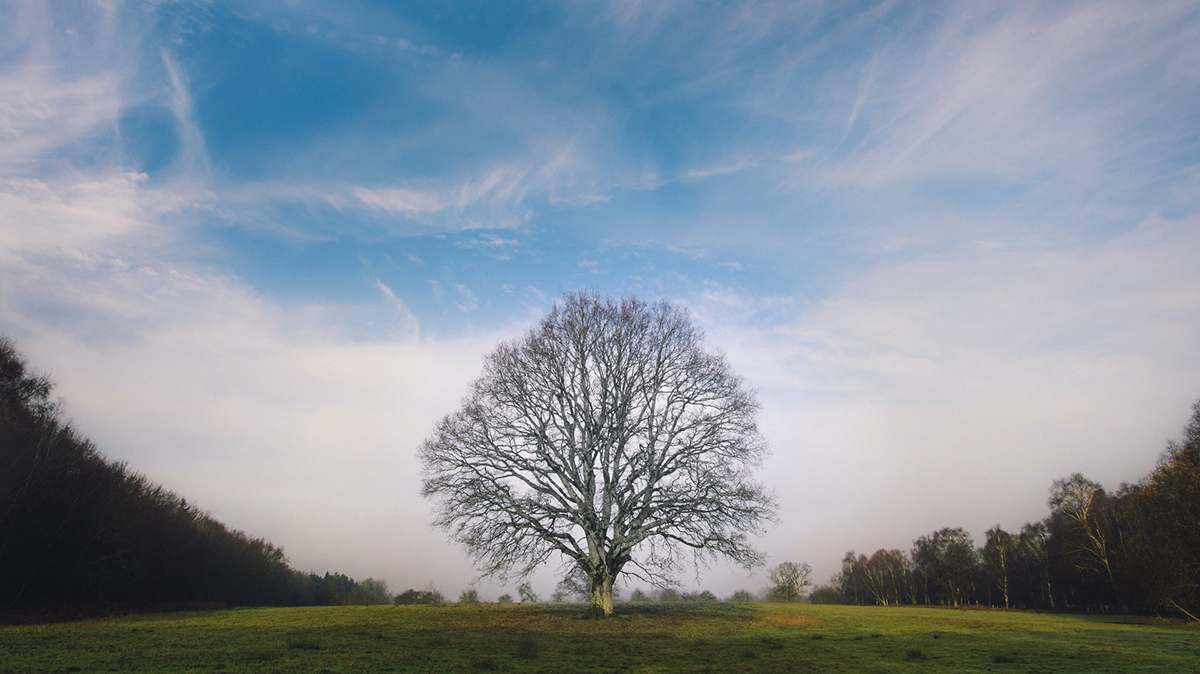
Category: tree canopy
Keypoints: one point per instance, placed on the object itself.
(607, 437)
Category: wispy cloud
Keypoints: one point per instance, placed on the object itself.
(469, 301)
(718, 170)
(410, 324)
(984, 371)
(192, 156)
(1014, 96)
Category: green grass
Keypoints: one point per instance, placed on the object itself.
(641, 638)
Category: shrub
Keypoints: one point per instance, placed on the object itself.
(469, 596)
(505, 599)
(825, 594)
(420, 597)
(742, 596)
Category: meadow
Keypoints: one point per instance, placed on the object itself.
(640, 638)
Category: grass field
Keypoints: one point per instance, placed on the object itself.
(641, 638)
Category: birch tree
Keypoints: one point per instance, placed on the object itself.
(606, 437)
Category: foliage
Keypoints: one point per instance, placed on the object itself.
(606, 437)
(825, 594)
(1136, 550)
(945, 563)
(78, 530)
(469, 596)
(411, 597)
(505, 599)
(742, 596)
(693, 637)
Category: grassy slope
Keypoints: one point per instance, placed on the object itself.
(644, 638)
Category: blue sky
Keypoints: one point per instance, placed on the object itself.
(264, 246)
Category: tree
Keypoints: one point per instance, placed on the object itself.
(997, 559)
(946, 561)
(1166, 539)
(825, 594)
(608, 437)
(1032, 561)
(789, 580)
(429, 596)
(741, 596)
(1083, 510)
(526, 593)
(469, 596)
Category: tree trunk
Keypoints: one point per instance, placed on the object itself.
(601, 597)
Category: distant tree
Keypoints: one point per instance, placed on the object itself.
(1081, 511)
(573, 586)
(998, 551)
(426, 597)
(740, 596)
(1165, 541)
(886, 577)
(77, 529)
(946, 561)
(1032, 564)
(825, 594)
(371, 592)
(505, 599)
(668, 594)
(526, 593)
(789, 580)
(469, 596)
(605, 431)
(638, 595)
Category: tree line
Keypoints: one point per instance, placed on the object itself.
(1136, 550)
(79, 531)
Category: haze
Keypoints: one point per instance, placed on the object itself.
(262, 247)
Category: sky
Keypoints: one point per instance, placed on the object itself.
(264, 246)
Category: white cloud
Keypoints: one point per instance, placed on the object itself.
(1035, 90)
(410, 203)
(192, 156)
(721, 169)
(951, 390)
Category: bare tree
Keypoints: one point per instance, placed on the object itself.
(789, 580)
(1085, 507)
(606, 436)
(997, 559)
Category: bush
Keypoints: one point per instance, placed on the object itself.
(469, 596)
(505, 599)
(825, 594)
(742, 596)
(408, 597)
